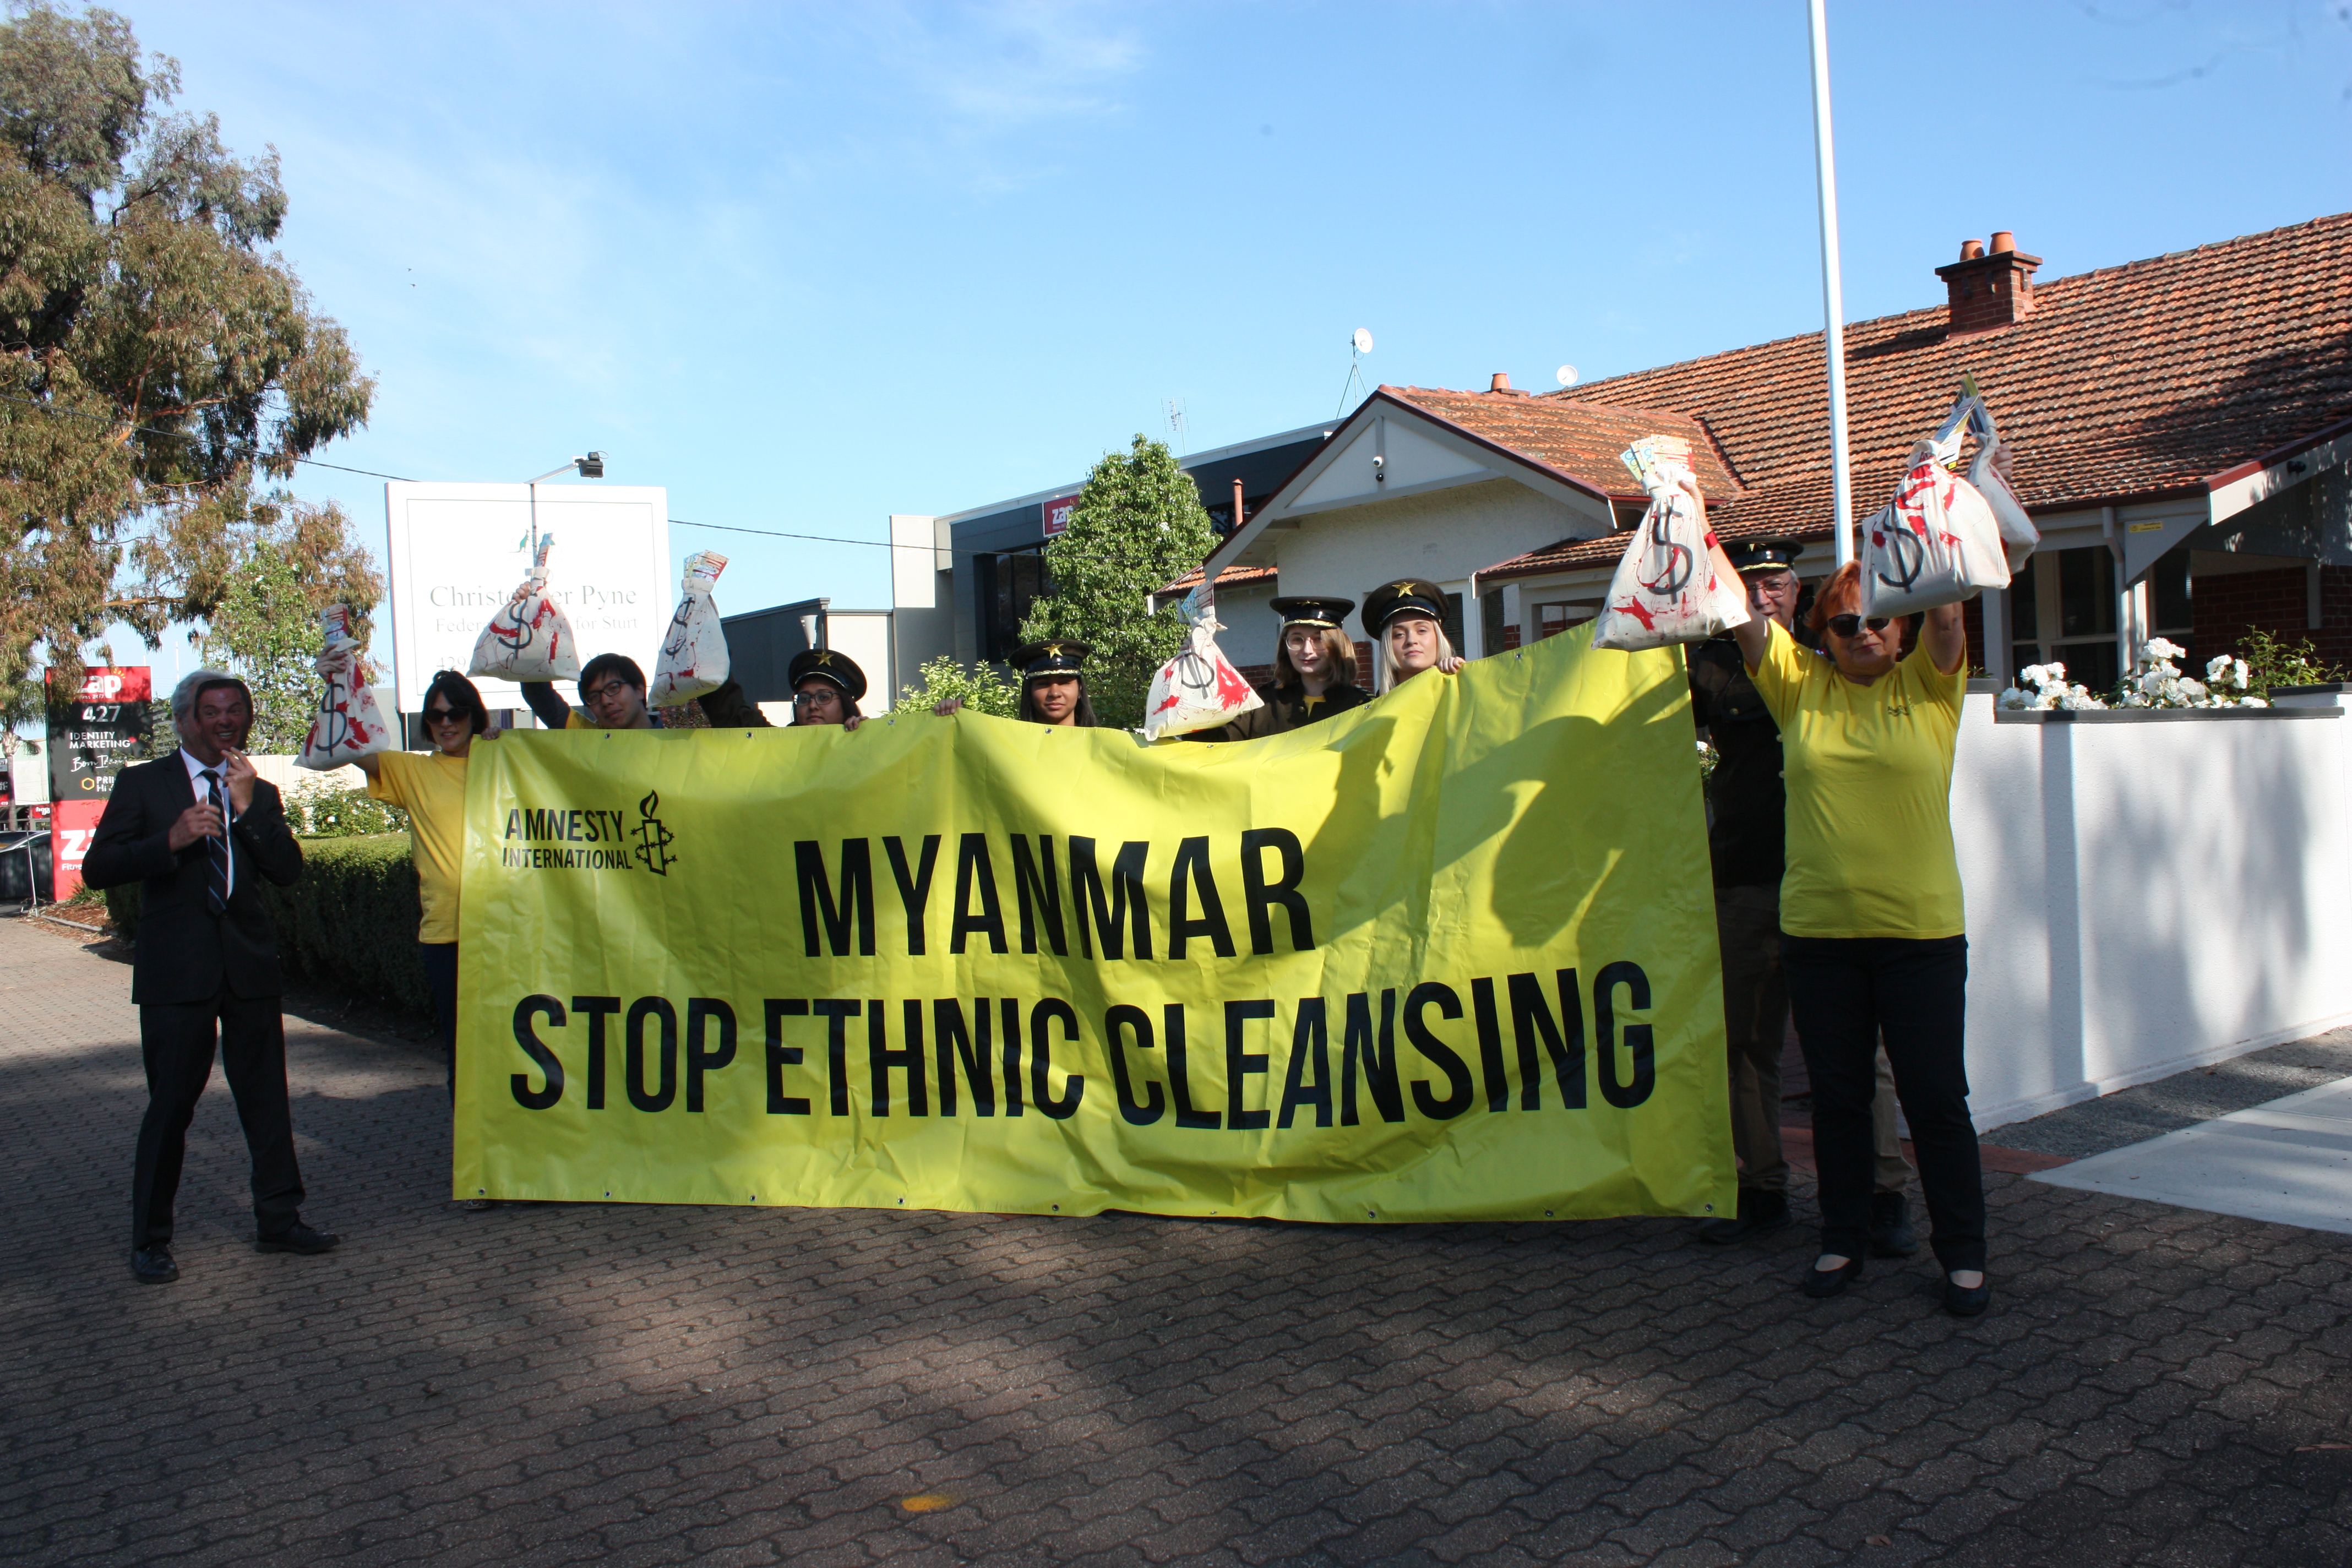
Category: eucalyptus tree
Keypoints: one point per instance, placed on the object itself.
(161, 368)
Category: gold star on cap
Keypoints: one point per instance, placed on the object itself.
(825, 655)
(1053, 650)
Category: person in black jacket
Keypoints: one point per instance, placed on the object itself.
(200, 832)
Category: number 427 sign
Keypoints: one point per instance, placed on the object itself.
(94, 734)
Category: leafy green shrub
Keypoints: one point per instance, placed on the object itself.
(340, 814)
(980, 688)
(2273, 661)
(349, 922)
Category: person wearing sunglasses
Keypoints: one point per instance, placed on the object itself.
(432, 789)
(1873, 939)
(1747, 802)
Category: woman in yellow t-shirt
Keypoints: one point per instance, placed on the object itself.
(1873, 938)
(432, 790)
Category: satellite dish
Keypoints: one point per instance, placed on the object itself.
(1362, 340)
(1567, 374)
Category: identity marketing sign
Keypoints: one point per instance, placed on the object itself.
(460, 550)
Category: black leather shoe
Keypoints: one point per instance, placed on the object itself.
(1962, 1302)
(1823, 1283)
(300, 1238)
(1891, 1235)
(154, 1265)
(1759, 1210)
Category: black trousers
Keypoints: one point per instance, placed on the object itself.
(441, 980)
(176, 1042)
(1848, 994)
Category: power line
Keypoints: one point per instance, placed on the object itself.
(401, 478)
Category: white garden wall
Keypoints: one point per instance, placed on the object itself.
(2146, 892)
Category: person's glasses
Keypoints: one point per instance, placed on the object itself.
(812, 698)
(441, 715)
(1846, 625)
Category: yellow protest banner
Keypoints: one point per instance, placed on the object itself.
(1450, 955)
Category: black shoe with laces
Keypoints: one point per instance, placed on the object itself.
(154, 1265)
(1891, 1235)
(1759, 1210)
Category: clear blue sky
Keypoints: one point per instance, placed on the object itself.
(810, 265)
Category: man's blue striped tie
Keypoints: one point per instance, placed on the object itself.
(216, 888)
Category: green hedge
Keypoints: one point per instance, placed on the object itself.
(349, 922)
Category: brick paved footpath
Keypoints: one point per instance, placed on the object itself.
(622, 1384)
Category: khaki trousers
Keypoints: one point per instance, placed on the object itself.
(1755, 1019)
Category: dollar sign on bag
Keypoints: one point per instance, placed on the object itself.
(1679, 562)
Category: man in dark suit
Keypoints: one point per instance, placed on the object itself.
(199, 831)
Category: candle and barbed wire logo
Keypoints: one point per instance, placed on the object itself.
(653, 839)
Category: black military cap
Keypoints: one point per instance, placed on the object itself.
(1305, 611)
(1036, 658)
(826, 665)
(1405, 596)
(1762, 554)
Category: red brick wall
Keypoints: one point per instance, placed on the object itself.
(2230, 605)
(2333, 636)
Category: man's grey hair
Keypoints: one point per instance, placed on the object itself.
(184, 696)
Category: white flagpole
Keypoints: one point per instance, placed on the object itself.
(1832, 290)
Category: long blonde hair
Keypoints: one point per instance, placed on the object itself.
(1387, 661)
(1339, 652)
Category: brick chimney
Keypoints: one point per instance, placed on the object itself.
(1501, 386)
(1991, 287)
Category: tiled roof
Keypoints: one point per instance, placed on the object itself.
(2129, 383)
(1578, 437)
(1231, 577)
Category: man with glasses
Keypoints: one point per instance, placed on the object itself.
(1747, 801)
(613, 691)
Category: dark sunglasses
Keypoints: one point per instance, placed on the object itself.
(443, 715)
(1846, 625)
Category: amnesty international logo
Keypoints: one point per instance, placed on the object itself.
(653, 839)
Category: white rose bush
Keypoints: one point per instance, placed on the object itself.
(2156, 682)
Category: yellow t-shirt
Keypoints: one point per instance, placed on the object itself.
(432, 789)
(1869, 770)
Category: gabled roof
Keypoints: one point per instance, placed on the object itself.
(1560, 448)
(2132, 382)
(1576, 436)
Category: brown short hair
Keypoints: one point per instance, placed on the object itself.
(1841, 595)
(1338, 651)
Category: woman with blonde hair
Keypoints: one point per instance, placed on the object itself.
(1873, 939)
(1406, 619)
(1313, 672)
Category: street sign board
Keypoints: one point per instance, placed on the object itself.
(95, 732)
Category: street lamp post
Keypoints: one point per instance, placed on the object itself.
(590, 467)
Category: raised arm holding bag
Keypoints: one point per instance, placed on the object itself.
(1668, 587)
(529, 639)
(1936, 541)
(346, 724)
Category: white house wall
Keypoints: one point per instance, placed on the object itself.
(1414, 460)
(1442, 535)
